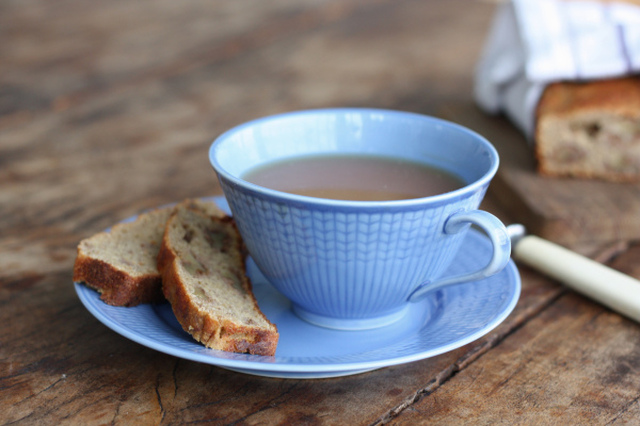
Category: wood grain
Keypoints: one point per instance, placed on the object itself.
(108, 108)
(546, 374)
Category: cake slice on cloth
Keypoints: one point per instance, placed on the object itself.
(590, 130)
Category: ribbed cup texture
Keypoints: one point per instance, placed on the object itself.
(346, 263)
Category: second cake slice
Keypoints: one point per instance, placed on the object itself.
(203, 277)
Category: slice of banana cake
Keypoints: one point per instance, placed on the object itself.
(203, 271)
(121, 263)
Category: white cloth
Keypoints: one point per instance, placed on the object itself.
(534, 42)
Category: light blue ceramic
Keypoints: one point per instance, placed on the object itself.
(448, 319)
(355, 264)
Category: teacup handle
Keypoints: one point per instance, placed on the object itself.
(496, 232)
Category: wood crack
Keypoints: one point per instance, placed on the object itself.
(624, 410)
(159, 399)
(268, 404)
(174, 375)
(471, 356)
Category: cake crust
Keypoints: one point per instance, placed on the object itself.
(117, 287)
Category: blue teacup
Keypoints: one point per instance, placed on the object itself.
(358, 264)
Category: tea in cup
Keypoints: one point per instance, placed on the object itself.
(353, 213)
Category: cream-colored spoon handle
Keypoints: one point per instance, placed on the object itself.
(614, 289)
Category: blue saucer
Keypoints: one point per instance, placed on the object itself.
(447, 319)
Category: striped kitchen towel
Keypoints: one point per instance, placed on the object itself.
(535, 42)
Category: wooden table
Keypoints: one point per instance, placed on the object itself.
(108, 108)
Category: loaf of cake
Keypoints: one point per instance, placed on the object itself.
(590, 130)
(202, 264)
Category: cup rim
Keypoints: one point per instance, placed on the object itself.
(328, 202)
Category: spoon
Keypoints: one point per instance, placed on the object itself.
(612, 288)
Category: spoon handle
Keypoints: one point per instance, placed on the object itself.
(614, 289)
